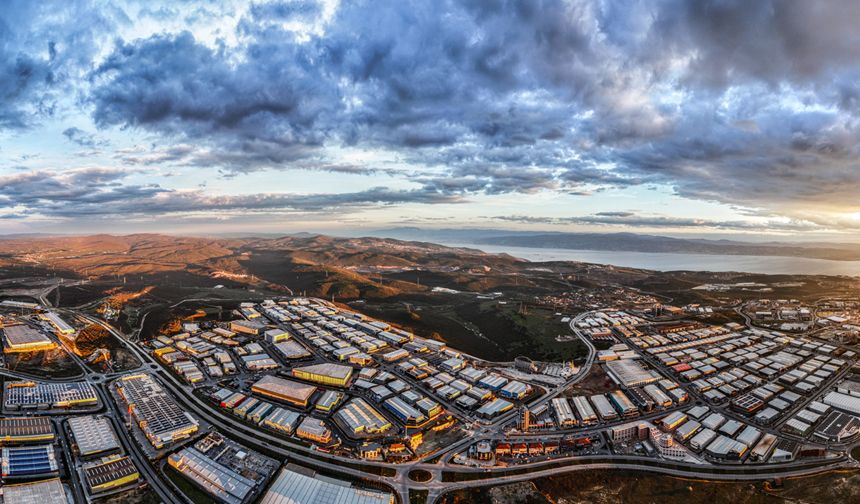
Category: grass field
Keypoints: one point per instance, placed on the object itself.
(484, 328)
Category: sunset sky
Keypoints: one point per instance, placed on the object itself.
(706, 118)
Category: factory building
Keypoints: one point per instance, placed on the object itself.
(837, 427)
(282, 419)
(25, 430)
(407, 414)
(584, 410)
(276, 335)
(19, 462)
(315, 430)
(292, 349)
(217, 480)
(563, 412)
(251, 327)
(358, 417)
(660, 398)
(21, 338)
(39, 492)
(60, 325)
(296, 484)
(763, 448)
(603, 407)
(844, 402)
(284, 390)
(702, 439)
(325, 374)
(154, 410)
(329, 400)
(395, 355)
(629, 373)
(495, 407)
(39, 396)
(514, 390)
(110, 474)
(623, 404)
(725, 448)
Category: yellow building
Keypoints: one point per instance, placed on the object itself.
(21, 338)
(326, 374)
(110, 473)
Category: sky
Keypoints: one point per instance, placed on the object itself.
(711, 118)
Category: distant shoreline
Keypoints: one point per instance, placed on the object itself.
(681, 261)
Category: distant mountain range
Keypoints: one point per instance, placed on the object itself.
(626, 242)
(321, 265)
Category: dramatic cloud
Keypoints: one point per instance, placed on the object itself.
(752, 105)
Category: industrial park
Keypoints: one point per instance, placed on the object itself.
(252, 408)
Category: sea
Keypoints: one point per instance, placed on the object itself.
(770, 265)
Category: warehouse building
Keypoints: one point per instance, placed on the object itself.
(24, 430)
(110, 474)
(40, 492)
(493, 382)
(325, 374)
(359, 417)
(673, 420)
(429, 407)
(162, 421)
(32, 395)
(297, 485)
(21, 338)
(284, 390)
